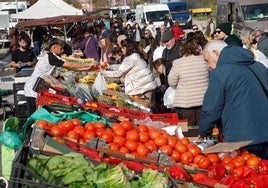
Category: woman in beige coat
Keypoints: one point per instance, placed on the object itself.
(189, 75)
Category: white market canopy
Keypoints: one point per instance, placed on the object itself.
(47, 8)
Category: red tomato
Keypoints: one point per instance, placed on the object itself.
(142, 150)
(74, 135)
(166, 149)
(123, 149)
(89, 135)
(131, 145)
(119, 140)
(133, 135)
(126, 125)
(229, 166)
(67, 125)
(185, 140)
(114, 147)
(99, 125)
(186, 158)
(76, 121)
(89, 126)
(193, 149)
(142, 128)
(204, 163)
(172, 141)
(180, 147)
(160, 141)
(154, 133)
(115, 126)
(56, 130)
(82, 141)
(151, 146)
(108, 137)
(99, 132)
(197, 158)
(214, 158)
(175, 156)
(239, 161)
(144, 137)
(79, 129)
(41, 123)
(253, 161)
(227, 159)
(119, 131)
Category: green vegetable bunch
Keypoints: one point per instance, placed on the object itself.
(75, 171)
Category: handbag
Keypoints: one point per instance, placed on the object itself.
(168, 97)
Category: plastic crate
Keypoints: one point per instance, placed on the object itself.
(169, 118)
(22, 176)
(46, 97)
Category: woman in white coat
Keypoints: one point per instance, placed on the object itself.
(139, 79)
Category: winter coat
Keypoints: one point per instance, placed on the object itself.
(90, 47)
(235, 95)
(138, 77)
(263, 44)
(189, 75)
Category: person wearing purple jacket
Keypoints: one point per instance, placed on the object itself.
(89, 45)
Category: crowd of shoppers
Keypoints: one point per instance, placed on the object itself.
(219, 78)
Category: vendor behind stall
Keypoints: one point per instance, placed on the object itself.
(46, 66)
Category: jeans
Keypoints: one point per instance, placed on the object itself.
(37, 48)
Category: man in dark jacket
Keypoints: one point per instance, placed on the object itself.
(172, 50)
(236, 96)
(223, 32)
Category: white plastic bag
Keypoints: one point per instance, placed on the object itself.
(169, 96)
(99, 84)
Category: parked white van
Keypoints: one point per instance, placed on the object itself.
(153, 11)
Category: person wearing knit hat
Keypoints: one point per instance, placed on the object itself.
(223, 32)
(225, 27)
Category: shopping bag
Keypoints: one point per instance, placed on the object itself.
(169, 96)
(99, 84)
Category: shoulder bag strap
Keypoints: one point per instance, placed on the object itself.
(264, 89)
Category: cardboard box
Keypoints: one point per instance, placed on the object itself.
(226, 147)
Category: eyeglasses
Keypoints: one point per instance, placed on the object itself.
(218, 31)
(195, 28)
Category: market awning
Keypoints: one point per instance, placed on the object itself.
(56, 21)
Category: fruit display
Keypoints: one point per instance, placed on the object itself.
(77, 59)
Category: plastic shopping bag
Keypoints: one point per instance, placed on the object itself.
(169, 96)
(99, 84)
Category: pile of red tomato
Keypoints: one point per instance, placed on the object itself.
(140, 140)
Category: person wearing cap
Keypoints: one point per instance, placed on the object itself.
(46, 65)
(172, 50)
(235, 97)
(262, 41)
(223, 32)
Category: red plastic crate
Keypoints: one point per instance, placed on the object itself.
(170, 118)
(45, 97)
